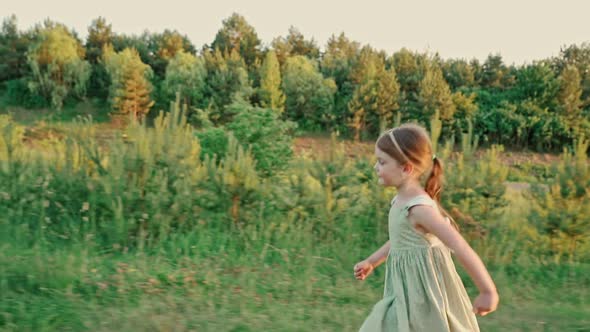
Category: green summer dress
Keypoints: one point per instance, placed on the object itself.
(423, 292)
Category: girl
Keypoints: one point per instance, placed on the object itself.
(423, 291)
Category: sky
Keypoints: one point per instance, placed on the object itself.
(521, 31)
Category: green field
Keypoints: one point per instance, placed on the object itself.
(136, 232)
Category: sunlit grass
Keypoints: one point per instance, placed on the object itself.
(165, 247)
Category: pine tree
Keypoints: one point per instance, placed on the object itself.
(270, 84)
(458, 73)
(309, 96)
(376, 95)
(563, 209)
(294, 44)
(13, 50)
(493, 73)
(164, 47)
(435, 94)
(238, 35)
(569, 97)
(185, 74)
(99, 34)
(409, 69)
(134, 99)
(337, 63)
(130, 87)
(226, 81)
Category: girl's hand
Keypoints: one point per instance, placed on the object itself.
(486, 303)
(363, 269)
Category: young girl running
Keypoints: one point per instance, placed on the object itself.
(423, 292)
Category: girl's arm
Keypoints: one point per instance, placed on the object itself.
(432, 221)
(364, 268)
(379, 256)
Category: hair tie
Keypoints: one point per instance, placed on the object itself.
(433, 157)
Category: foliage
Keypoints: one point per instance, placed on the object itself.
(309, 96)
(130, 87)
(57, 65)
(213, 141)
(185, 74)
(375, 100)
(161, 227)
(269, 138)
(562, 211)
(356, 91)
(294, 44)
(270, 92)
(236, 34)
(13, 49)
(435, 94)
(226, 81)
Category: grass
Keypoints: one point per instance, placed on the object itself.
(149, 293)
(189, 284)
(30, 117)
(271, 275)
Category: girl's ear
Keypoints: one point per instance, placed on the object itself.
(408, 168)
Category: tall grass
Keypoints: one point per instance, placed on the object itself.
(144, 233)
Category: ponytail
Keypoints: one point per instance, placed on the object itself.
(433, 185)
(433, 188)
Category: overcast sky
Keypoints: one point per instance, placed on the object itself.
(520, 30)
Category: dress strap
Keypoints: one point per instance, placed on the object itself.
(393, 200)
(418, 200)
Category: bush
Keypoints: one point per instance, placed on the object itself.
(562, 212)
(19, 94)
(213, 142)
(269, 137)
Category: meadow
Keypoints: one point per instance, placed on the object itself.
(138, 230)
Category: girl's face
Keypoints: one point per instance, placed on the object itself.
(389, 170)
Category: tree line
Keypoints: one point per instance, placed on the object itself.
(347, 87)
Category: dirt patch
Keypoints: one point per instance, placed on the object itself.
(519, 157)
(321, 146)
(34, 135)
